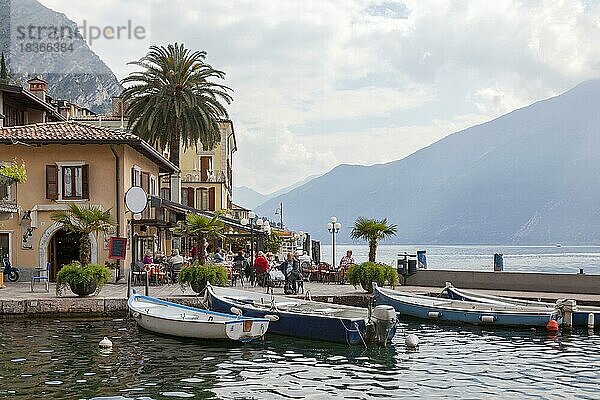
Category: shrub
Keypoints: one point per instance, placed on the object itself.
(366, 273)
(74, 274)
(198, 274)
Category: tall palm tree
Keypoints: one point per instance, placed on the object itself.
(201, 227)
(173, 101)
(84, 221)
(372, 230)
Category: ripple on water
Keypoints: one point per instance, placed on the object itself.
(177, 394)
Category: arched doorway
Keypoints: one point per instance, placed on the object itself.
(45, 247)
(63, 249)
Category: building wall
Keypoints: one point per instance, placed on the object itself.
(31, 196)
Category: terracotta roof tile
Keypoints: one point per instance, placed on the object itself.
(65, 131)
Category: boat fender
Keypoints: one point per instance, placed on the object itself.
(412, 341)
(105, 343)
(236, 311)
(272, 318)
(434, 314)
(488, 319)
(552, 325)
(591, 321)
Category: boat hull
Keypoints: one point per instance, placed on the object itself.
(306, 326)
(441, 311)
(580, 316)
(189, 322)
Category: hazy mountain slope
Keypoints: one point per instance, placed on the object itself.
(75, 74)
(250, 198)
(530, 176)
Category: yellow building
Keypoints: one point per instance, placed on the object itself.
(72, 162)
(207, 176)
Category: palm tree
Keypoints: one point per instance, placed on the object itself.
(173, 101)
(84, 221)
(201, 227)
(372, 230)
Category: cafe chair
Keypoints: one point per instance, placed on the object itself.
(41, 275)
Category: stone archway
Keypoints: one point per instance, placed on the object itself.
(45, 242)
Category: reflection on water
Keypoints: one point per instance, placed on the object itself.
(61, 359)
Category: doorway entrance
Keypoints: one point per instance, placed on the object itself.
(63, 249)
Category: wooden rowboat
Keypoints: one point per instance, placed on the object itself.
(173, 319)
(581, 314)
(448, 310)
(307, 319)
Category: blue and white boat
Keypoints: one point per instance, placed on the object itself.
(175, 319)
(448, 310)
(581, 314)
(307, 319)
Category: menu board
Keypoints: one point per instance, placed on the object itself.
(117, 248)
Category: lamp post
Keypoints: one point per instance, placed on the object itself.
(253, 221)
(333, 227)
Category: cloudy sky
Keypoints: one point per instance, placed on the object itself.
(319, 83)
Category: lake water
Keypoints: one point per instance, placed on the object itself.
(564, 259)
(61, 360)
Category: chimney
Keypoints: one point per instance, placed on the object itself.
(37, 86)
(119, 108)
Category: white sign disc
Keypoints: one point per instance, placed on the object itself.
(136, 199)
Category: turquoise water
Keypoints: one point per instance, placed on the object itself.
(564, 259)
(61, 360)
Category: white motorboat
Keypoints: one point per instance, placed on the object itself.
(174, 319)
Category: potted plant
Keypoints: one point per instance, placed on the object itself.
(197, 275)
(366, 273)
(82, 280)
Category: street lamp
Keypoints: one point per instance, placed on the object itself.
(252, 221)
(333, 227)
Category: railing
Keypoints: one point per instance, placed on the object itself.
(196, 176)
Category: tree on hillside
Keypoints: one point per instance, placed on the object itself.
(84, 221)
(174, 100)
(4, 77)
(372, 230)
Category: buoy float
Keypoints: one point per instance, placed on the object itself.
(105, 343)
(552, 325)
(412, 341)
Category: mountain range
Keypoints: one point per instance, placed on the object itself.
(250, 198)
(73, 73)
(531, 176)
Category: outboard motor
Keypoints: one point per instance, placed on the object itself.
(384, 319)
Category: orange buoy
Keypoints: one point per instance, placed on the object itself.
(552, 325)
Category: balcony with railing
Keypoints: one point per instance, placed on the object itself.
(195, 176)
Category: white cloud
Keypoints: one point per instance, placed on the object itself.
(309, 77)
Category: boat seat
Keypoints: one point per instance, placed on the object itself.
(285, 304)
(328, 310)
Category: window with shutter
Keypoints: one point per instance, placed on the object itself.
(85, 184)
(52, 182)
(211, 199)
(190, 195)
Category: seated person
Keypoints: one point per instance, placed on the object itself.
(261, 265)
(291, 269)
(219, 257)
(148, 258)
(345, 263)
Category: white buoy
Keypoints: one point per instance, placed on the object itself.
(105, 343)
(412, 341)
(591, 321)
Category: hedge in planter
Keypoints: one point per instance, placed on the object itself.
(82, 281)
(197, 275)
(366, 273)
